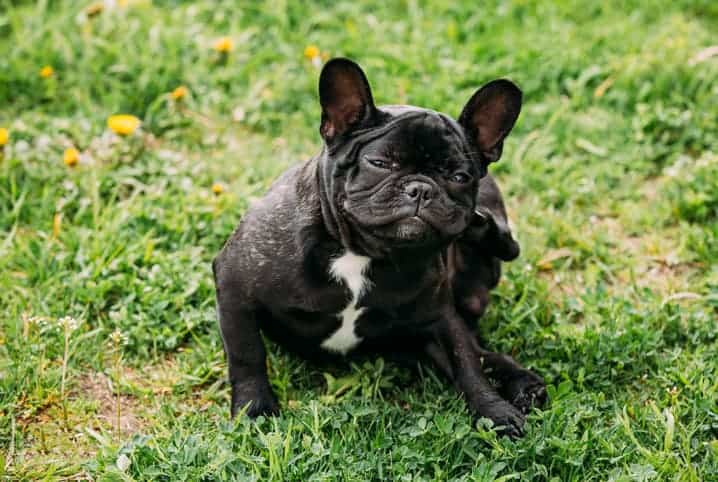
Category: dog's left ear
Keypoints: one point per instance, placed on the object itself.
(490, 115)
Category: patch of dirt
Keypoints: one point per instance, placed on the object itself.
(651, 188)
(96, 387)
(649, 260)
(52, 439)
(654, 258)
(150, 383)
(62, 440)
(663, 275)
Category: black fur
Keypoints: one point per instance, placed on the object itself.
(405, 187)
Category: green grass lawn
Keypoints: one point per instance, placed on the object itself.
(611, 179)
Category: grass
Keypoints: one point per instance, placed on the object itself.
(610, 178)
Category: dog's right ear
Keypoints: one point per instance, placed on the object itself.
(345, 97)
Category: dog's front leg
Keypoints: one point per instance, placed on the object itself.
(454, 348)
(246, 357)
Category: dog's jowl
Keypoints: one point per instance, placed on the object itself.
(389, 240)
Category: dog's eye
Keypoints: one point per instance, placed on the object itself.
(378, 162)
(460, 178)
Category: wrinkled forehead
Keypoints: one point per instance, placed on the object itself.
(418, 134)
(409, 134)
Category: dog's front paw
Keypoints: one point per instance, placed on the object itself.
(526, 391)
(257, 397)
(507, 419)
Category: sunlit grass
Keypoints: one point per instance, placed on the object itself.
(609, 178)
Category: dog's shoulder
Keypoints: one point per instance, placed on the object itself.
(269, 228)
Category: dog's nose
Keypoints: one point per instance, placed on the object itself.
(419, 190)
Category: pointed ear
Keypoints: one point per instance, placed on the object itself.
(490, 115)
(345, 97)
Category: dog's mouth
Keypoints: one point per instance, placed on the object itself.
(404, 226)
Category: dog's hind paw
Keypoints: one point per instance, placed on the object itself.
(526, 391)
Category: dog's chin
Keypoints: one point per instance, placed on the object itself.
(409, 232)
(413, 229)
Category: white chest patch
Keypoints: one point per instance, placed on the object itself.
(349, 268)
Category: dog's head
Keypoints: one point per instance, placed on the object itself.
(399, 177)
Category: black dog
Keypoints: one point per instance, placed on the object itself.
(386, 241)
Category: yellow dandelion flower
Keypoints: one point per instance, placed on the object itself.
(71, 157)
(94, 8)
(223, 45)
(217, 188)
(179, 93)
(311, 52)
(123, 124)
(47, 71)
(4, 136)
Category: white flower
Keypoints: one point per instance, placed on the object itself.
(118, 338)
(43, 142)
(68, 323)
(123, 462)
(238, 114)
(22, 146)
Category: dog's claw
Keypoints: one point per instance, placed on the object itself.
(527, 392)
(256, 408)
(507, 419)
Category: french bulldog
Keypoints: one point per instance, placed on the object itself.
(388, 241)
